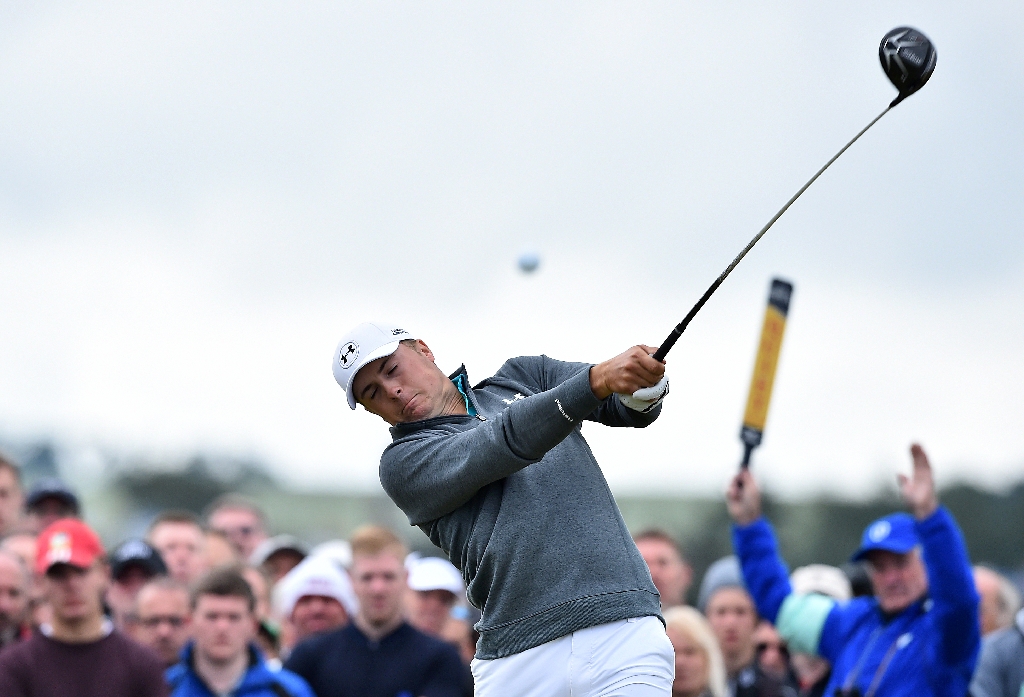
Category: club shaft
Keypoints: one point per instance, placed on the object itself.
(681, 327)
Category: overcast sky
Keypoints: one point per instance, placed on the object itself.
(197, 199)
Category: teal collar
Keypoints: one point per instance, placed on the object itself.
(460, 384)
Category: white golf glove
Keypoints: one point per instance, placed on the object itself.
(646, 398)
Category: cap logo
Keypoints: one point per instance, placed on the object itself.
(348, 354)
(879, 531)
(398, 332)
(319, 584)
(59, 549)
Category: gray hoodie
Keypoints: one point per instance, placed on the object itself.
(1000, 671)
(517, 501)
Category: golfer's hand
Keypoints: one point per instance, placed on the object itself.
(646, 398)
(743, 499)
(918, 490)
(626, 373)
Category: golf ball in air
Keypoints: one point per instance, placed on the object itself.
(528, 262)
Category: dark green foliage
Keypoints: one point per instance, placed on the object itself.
(993, 524)
(190, 488)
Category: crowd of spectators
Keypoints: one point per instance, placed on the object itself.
(214, 604)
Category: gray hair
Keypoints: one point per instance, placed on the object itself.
(1008, 600)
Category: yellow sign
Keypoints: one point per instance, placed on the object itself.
(764, 369)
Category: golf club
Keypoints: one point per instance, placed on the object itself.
(908, 59)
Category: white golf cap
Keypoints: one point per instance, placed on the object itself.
(434, 573)
(367, 342)
(823, 580)
(338, 551)
(315, 576)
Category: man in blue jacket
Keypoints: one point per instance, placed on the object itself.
(222, 659)
(917, 636)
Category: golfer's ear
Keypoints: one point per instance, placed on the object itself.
(421, 347)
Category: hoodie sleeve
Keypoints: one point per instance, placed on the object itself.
(435, 470)
(547, 372)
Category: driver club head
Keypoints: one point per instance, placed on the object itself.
(908, 59)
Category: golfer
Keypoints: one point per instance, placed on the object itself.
(500, 477)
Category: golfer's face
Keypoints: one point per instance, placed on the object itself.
(405, 386)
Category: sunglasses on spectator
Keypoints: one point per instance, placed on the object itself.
(779, 646)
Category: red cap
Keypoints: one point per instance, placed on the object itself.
(67, 541)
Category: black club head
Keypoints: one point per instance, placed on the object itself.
(908, 59)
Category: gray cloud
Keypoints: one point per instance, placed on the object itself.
(218, 191)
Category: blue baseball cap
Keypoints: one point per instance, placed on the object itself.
(893, 533)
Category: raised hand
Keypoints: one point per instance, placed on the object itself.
(918, 490)
(743, 499)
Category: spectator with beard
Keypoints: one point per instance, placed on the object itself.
(132, 565)
(379, 654)
(79, 654)
(669, 569)
(314, 597)
(12, 497)
(178, 537)
(222, 659)
(162, 618)
(14, 597)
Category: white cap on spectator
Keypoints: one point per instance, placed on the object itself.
(315, 575)
(821, 579)
(338, 551)
(433, 573)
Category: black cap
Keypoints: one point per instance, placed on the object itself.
(51, 487)
(139, 553)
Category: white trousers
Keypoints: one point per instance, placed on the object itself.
(628, 658)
